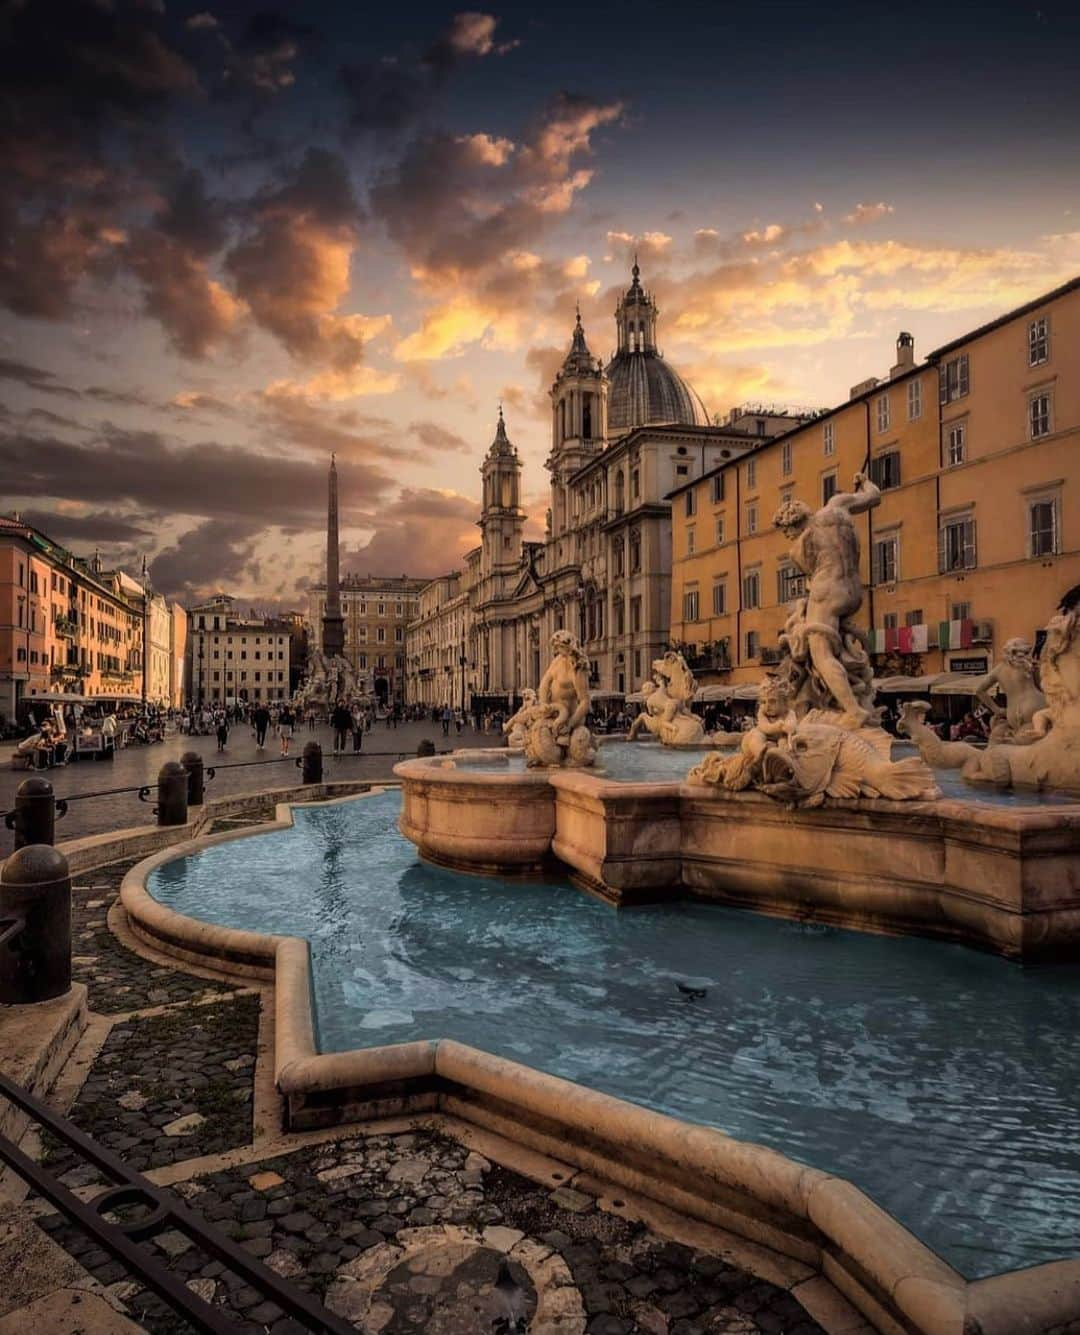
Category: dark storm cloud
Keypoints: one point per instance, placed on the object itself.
(393, 93)
(158, 477)
(34, 377)
(100, 526)
(424, 532)
(213, 554)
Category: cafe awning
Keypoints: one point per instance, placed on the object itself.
(957, 683)
(916, 685)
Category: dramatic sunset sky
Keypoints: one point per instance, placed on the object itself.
(235, 239)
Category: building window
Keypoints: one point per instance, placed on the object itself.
(914, 400)
(828, 488)
(1039, 415)
(690, 605)
(682, 470)
(790, 584)
(1043, 528)
(635, 551)
(719, 530)
(885, 560)
(885, 470)
(828, 437)
(956, 544)
(635, 619)
(914, 617)
(955, 444)
(960, 612)
(891, 620)
(883, 415)
(785, 458)
(751, 589)
(751, 519)
(953, 379)
(690, 541)
(381, 635)
(635, 483)
(719, 598)
(362, 661)
(753, 644)
(1039, 341)
(751, 474)
(717, 488)
(691, 503)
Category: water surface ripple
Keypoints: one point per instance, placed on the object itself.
(944, 1082)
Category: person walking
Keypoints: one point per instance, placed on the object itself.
(222, 730)
(446, 720)
(261, 720)
(285, 723)
(341, 722)
(357, 729)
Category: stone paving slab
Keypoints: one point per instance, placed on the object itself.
(118, 980)
(408, 1233)
(167, 1088)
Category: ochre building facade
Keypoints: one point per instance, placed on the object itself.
(978, 531)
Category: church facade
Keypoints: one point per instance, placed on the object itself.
(623, 437)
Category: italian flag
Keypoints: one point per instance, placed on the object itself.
(914, 639)
(955, 634)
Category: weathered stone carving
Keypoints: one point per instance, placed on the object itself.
(328, 680)
(816, 734)
(827, 655)
(803, 761)
(667, 715)
(555, 731)
(515, 726)
(1015, 676)
(935, 751)
(1052, 759)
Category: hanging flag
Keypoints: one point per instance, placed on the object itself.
(904, 639)
(892, 639)
(876, 636)
(957, 634)
(920, 638)
(943, 634)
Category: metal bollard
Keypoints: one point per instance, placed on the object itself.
(172, 793)
(425, 747)
(35, 926)
(35, 814)
(196, 783)
(310, 763)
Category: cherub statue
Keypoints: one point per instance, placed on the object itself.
(1015, 676)
(555, 731)
(515, 726)
(775, 722)
(667, 712)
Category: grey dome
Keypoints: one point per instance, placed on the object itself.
(643, 390)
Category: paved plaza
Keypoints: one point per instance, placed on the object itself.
(255, 770)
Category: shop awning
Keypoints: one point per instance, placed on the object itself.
(898, 685)
(747, 690)
(957, 683)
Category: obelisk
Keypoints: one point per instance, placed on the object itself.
(333, 623)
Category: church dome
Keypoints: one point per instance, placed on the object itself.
(643, 390)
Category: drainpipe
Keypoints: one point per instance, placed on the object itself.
(869, 519)
(738, 569)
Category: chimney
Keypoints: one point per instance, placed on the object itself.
(905, 354)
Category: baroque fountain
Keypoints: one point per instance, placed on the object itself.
(811, 816)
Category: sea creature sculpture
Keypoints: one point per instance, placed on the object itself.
(667, 715)
(555, 731)
(515, 726)
(935, 751)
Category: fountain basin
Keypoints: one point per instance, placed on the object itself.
(998, 872)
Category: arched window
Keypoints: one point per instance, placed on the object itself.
(586, 418)
(620, 491)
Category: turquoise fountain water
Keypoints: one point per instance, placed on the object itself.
(943, 1082)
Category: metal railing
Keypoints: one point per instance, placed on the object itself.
(161, 1212)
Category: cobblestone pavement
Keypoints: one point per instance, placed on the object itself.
(137, 765)
(117, 979)
(409, 1234)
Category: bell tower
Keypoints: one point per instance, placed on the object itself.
(502, 520)
(579, 420)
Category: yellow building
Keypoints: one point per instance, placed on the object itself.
(978, 530)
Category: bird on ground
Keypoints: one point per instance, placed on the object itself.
(511, 1298)
(692, 993)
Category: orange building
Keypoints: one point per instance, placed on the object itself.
(978, 530)
(67, 627)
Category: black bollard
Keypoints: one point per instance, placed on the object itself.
(196, 783)
(35, 926)
(35, 813)
(426, 747)
(311, 763)
(172, 792)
